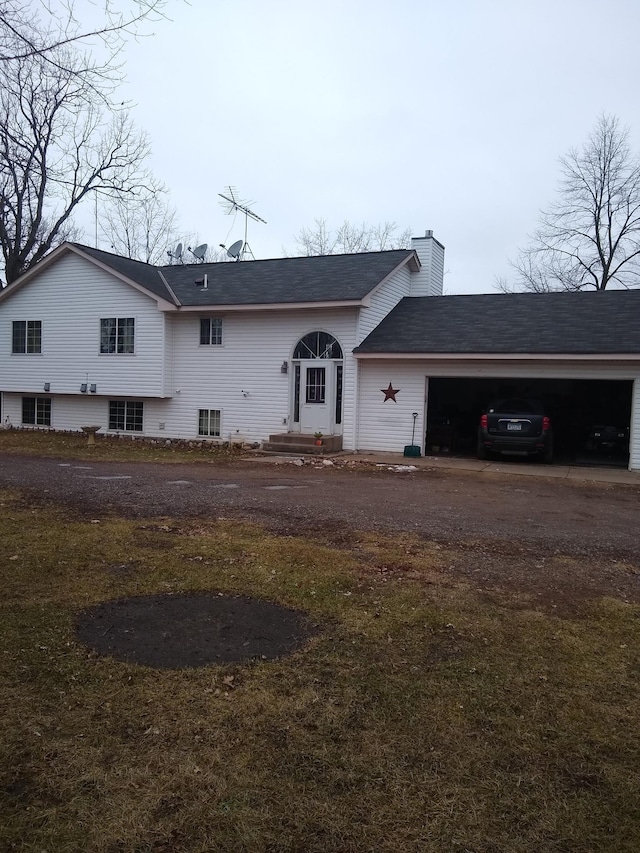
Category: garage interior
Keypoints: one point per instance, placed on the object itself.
(576, 407)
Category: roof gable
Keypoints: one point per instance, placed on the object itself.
(602, 322)
(281, 281)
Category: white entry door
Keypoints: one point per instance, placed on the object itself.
(317, 396)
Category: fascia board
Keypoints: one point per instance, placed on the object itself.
(492, 357)
(266, 306)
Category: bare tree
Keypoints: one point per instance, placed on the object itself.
(42, 27)
(349, 238)
(590, 237)
(56, 147)
(140, 225)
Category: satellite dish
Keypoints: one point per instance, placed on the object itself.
(176, 255)
(199, 252)
(234, 250)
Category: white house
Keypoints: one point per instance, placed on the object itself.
(363, 348)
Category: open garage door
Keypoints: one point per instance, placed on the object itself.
(576, 406)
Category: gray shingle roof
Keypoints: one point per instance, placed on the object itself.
(327, 278)
(143, 274)
(571, 323)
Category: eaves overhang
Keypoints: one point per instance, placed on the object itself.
(494, 357)
(221, 307)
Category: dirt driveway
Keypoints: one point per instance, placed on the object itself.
(562, 541)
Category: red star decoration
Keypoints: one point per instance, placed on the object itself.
(390, 393)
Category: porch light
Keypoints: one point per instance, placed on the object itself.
(47, 386)
(83, 388)
(284, 367)
(93, 387)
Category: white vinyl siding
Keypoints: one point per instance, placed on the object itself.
(388, 425)
(72, 296)
(244, 378)
(383, 300)
(429, 281)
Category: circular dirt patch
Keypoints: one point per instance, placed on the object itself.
(192, 629)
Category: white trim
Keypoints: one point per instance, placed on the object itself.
(265, 306)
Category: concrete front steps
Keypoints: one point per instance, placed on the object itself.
(298, 444)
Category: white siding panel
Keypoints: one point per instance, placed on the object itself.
(384, 300)
(243, 377)
(383, 424)
(429, 281)
(70, 298)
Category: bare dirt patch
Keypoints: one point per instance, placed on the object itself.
(192, 630)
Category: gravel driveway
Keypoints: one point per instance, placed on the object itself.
(508, 530)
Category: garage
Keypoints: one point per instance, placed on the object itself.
(445, 358)
(579, 409)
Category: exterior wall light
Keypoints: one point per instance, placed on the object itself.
(284, 367)
(93, 388)
(83, 388)
(47, 386)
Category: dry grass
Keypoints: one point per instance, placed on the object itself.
(421, 718)
(73, 445)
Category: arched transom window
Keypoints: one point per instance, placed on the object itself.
(318, 345)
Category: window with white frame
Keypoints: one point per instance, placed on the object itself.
(211, 331)
(36, 411)
(117, 335)
(26, 336)
(209, 422)
(126, 415)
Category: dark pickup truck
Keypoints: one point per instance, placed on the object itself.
(518, 427)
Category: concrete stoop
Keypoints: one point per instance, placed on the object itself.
(301, 445)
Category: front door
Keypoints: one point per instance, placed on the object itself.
(317, 398)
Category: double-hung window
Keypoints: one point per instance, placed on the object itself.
(36, 411)
(211, 331)
(117, 335)
(209, 422)
(27, 336)
(126, 415)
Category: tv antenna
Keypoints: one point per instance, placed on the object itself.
(176, 255)
(199, 252)
(233, 204)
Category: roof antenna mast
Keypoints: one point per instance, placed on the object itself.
(232, 203)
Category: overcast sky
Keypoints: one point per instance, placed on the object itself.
(442, 115)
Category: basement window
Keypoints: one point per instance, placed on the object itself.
(125, 415)
(209, 422)
(36, 411)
